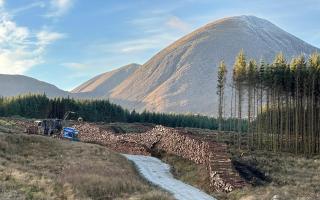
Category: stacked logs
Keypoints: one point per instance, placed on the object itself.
(202, 151)
(92, 133)
(194, 147)
(189, 146)
(22, 123)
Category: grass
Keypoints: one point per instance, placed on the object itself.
(4, 126)
(187, 171)
(292, 176)
(37, 167)
(8, 126)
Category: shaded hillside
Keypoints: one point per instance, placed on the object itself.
(12, 85)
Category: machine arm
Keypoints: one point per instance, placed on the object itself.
(66, 115)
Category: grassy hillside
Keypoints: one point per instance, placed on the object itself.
(37, 167)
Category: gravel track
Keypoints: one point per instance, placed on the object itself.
(158, 173)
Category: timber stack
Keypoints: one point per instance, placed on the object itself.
(194, 147)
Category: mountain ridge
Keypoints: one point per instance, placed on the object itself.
(12, 85)
(102, 84)
(182, 77)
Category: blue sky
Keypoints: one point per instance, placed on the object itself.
(66, 42)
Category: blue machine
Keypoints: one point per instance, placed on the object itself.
(70, 133)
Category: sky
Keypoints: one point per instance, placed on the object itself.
(67, 42)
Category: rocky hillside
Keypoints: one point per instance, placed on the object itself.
(182, 77)
(12, 85)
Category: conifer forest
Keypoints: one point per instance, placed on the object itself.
(280, 101)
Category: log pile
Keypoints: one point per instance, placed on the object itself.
(193, 147)
(202, 151)
(33, 129)
(92, 133)
(20, 123)
(175, 141)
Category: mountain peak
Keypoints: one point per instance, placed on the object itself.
(182, 77)
(247, 18)
(241, 21)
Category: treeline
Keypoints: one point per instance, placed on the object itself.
(39, 106)
(281, 101)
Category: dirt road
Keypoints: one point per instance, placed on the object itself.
(157, 172)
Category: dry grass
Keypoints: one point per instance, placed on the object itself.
(37, 167)
(8, 126)
(292, 176)
(156, 195)
(14, 124)
(187, 171)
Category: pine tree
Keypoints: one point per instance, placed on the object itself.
(314, 65)
(222, 72)
(250, 82)
(239, 75)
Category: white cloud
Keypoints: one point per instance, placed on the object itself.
(17, 61)
(38, 4)
(177, 23)
(135, 45)
(152, 42)
(45, 38)
(21, 48)
(59, 7)
(159, 30)
(1, 3)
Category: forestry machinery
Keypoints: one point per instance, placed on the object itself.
(55, 126)
(69, 132)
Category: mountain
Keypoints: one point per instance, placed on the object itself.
(12, 85)
(182, 77)
(102, 85)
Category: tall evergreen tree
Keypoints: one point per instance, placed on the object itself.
(239, 75)
(222, 72)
